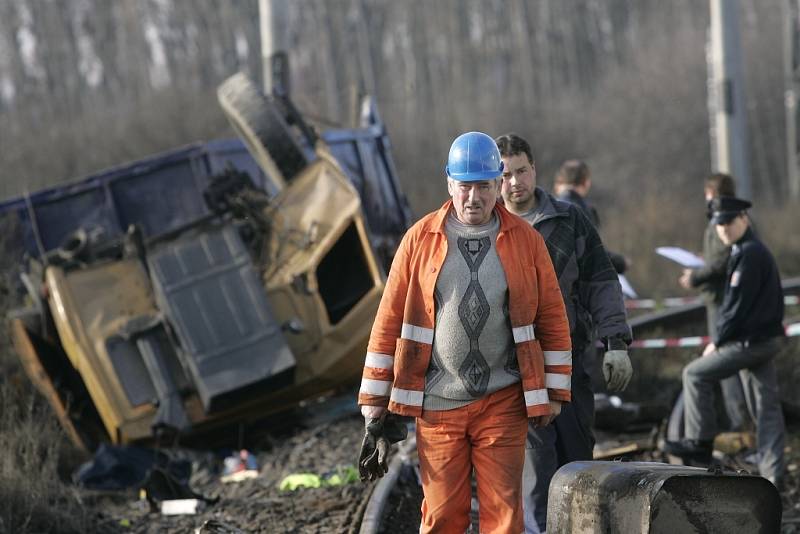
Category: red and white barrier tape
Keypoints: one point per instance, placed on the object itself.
(695, 341)
(674, 302)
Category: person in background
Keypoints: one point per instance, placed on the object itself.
(471, 338)
(593, 299)
(710, 279)
(749, 333)
(572, 184)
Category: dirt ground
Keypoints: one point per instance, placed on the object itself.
(258, 505)
(791, 491)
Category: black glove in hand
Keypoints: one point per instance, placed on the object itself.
(379, 435)
(372, 460)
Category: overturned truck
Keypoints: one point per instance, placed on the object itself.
(210, 285)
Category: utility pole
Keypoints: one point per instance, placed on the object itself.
(272, 22)
(727, 111)
(791, 69)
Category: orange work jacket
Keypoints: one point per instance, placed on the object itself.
(400, 344)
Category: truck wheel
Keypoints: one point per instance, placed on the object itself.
(259, 122)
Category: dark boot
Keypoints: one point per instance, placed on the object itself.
(692, 451)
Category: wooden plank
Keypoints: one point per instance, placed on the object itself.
(627, 448)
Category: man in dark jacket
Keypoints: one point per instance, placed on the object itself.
(572, 184)
(749, 333)
(593, 298)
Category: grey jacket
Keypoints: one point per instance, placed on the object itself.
(588, 281)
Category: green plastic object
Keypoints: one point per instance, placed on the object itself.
(300, 480)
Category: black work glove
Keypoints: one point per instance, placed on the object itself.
(379, 434)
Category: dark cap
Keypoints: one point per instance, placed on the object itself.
(725, 209)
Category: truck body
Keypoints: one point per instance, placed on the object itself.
(195, 289)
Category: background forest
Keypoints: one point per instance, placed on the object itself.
(620, 83)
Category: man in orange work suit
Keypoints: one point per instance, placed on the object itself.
(472, 339)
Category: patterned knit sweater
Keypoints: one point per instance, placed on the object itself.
(473, 349)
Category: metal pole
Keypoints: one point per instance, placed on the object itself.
(267, 45)
(728, 114)
(35, 227)
(272, 16)
(791, 69)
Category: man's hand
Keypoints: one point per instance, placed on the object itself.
(617, 369)
(686, 279)
(709, 349)
(541, 421)
(379, 434)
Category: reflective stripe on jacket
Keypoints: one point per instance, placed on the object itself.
(400, 344)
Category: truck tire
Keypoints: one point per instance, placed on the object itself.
(260, 123)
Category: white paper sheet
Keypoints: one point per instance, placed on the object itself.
(681, 256)
(627, 288)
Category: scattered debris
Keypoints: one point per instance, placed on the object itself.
(119, 468)
(161, 485)
(339, 477)
(611, 413)
(215, 526)
(734, 442)
(300, 480)
(182, 507)
(239, 466)
(622, 450)
(342, 475)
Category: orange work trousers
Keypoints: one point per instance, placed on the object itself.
(487, 435)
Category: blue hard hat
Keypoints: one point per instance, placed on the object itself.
(474, 157)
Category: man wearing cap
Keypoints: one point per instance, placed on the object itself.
(593, 298)
(710, 279)
(749, 334)
(471, 338)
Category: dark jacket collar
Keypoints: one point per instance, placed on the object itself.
(747, 236)
(571, 196)
(547, 206)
